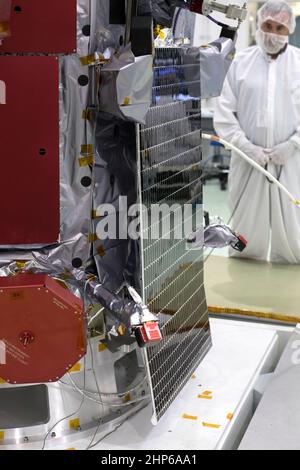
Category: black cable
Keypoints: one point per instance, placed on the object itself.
(94, 444)
(175, 22)
(240, 198)
(223, 25)
(278, 175)
(66, 417)
(113, 430)
(98, 427)
(60, 421)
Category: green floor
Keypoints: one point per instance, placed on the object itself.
(251, 286)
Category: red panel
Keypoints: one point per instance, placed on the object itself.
(42, 26)
(43, 328)
(29, 124)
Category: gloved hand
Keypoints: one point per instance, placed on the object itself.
(280, 154)
(258, 154)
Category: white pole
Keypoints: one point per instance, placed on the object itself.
(254, 164)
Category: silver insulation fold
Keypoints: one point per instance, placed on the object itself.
(215, 61)
(76, 148)
(216, 236)
(126, 86)
(103, 34)
(219, 236)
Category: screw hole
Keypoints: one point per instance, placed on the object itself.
(18, 9)
(42, 152)
(77, 263)
(83, 80)
(86, 30)
(86, 181)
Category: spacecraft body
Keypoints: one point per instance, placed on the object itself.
(92, 328)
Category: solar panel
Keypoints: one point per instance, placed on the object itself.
(170, 174)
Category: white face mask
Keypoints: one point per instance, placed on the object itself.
(271, 43)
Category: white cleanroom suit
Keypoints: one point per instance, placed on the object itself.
(260, 105)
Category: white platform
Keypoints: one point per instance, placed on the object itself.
(276, 423)
(241, 353)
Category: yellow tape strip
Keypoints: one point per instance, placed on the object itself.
(205, 397)
(88, 59)
(249, 313)
(4, 27)
(86, 161)
(127, 398)
(76, 368)
(87, 114)
(2, 381)
(101, 251)
(92, 237)
(2, 435)
(230, 416)
(193, 418)
(121, 330)
(102, 347)
(210, 425)
(126, 101)
(95, 215)
(21, 264)
(74, 423)
(87, 149)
